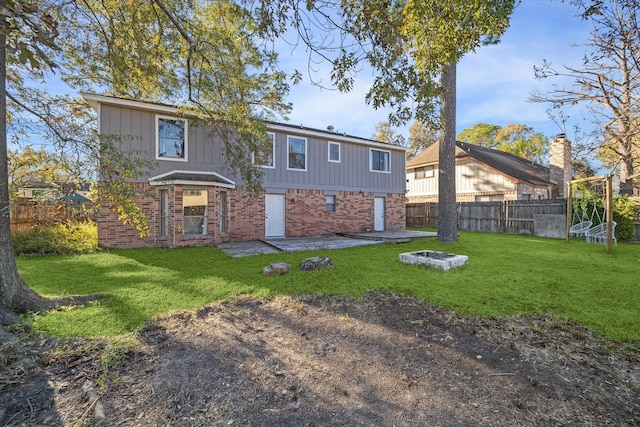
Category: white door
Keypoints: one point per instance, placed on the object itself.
(378, 213)
(274, 215)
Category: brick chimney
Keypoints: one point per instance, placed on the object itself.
(560, 171)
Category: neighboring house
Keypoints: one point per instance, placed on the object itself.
(315, 182)
(484, 174)
(50, 192)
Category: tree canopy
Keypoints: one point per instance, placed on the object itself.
(203, 55)
(607, 81)
(518, 139)
(385, 133)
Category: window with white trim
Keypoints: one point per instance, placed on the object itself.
(334, 152)
(424, 172)
(331, 203)
(171, 138)
(379, 161)
(194, 214)
(264, 157)
(297, 153)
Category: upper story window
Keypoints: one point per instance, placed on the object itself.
(171, 138)
(379, 161)
(334, 152)
(297, 153)
(264, 157)
(425, 172)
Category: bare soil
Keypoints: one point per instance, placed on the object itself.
(379, 360)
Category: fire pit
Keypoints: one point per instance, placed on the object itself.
(441, 260)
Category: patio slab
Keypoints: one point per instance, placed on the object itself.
(294, 244)
(242, 249)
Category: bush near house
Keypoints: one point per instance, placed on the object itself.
(74, 237)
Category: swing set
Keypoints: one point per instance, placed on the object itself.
(591, 224)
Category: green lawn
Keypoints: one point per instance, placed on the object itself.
(506, 274)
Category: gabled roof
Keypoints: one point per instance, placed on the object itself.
(508, 164)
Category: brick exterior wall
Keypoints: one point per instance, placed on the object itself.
(306, 213)
(305, 216)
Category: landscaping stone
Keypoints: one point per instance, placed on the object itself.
(276, 269)
(316, 263)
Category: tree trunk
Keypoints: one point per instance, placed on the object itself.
(626, 166)
(14, 293)
(447, 208)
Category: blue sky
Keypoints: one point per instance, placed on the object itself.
(493, 83)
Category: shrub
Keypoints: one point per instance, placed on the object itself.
(624, 209)
(624, 213)
(76, 237)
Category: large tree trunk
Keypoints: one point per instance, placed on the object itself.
(447, 208)
(14, 293)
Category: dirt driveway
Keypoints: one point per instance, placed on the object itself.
(381, 360)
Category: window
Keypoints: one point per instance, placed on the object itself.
(194, 205)
(264, 157)
(331, 204)
(334, 152)
(493, 198)
(164, 212)
(171, 138)
(425, 172)
(380, 161)
(297, 149)
(526, 196)
(223, 212)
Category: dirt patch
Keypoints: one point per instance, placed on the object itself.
(381, 359)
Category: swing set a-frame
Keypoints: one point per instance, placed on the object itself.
(585, 227)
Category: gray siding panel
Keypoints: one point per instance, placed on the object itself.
(205, 154)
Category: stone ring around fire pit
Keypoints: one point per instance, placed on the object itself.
(441, 260)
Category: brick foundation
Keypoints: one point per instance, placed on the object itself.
(305, 216)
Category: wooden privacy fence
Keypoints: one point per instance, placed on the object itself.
(25, 214)
(496, 217)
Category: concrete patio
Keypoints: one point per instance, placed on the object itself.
(294, 244)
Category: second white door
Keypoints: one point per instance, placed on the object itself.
(378, 213)
(274, 215)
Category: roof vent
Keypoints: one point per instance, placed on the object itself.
(330, 128)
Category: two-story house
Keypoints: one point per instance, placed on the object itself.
(315, 182)
(485, 174)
